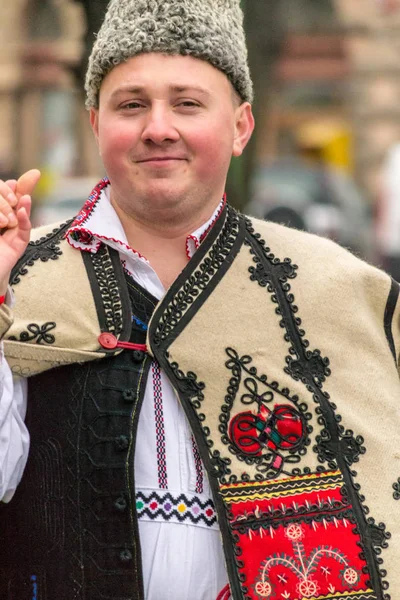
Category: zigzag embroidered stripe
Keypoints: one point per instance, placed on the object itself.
(159, 422)
(199, 468)
(181, 509)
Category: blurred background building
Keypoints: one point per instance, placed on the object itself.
(327, 82)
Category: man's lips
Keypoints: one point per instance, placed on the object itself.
(161, 159)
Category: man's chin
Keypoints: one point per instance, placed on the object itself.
(161, 195)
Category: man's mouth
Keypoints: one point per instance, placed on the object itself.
(161, 159)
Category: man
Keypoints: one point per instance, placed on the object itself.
(185, 364)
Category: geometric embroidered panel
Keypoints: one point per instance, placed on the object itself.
(182, 508)
(297, 539)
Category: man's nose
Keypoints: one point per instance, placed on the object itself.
(159, 126)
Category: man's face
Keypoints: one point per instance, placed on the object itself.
(167, 127)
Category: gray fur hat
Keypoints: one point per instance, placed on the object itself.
(211, 30)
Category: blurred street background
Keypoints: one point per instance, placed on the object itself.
(326, 153)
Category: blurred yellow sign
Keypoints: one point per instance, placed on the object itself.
(333, 140)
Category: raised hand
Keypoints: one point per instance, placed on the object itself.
(15, 225)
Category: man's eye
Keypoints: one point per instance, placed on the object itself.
(188, 104)
(132, 105)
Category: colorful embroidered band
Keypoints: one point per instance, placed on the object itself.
(184, 508)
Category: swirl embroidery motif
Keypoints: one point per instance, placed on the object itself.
(39, 333)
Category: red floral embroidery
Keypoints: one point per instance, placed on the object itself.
(280, 428)
(268, 431)
(297, 538)
(323, 561)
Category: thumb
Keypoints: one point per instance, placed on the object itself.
(27, 182)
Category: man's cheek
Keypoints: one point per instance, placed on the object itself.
(214, 159)
(115, 166)
(116, 148)
(116, 137)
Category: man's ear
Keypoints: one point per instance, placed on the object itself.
(244, 127)
(94, 122)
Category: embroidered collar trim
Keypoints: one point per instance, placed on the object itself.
(93, 226)
(194, 240)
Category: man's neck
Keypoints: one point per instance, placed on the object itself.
(163, 244)
(166, 255)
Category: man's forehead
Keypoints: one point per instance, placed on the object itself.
(155, 74)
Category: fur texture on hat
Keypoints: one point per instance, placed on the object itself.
(211, 30)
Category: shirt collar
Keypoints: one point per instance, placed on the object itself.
(98, 222)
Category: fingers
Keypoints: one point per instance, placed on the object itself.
(23, 213)
(12, 184)
(27, 182)
(7, 193)
(17, 238)
(24, 224)
(7, 203)
(11, 193)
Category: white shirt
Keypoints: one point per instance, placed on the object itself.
(180, 541)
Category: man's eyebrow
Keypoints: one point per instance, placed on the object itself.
(180, 89)
(129, 89)
(177, 89)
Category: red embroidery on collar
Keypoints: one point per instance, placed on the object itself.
(94, 249)
(90, 203)
(215, 219)
(84, 236)
(196, 242)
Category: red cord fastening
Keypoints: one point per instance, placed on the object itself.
(2, 299)
(225, 593)
(110, 342)
(129, 346)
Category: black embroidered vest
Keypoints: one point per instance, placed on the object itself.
(71, 529)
